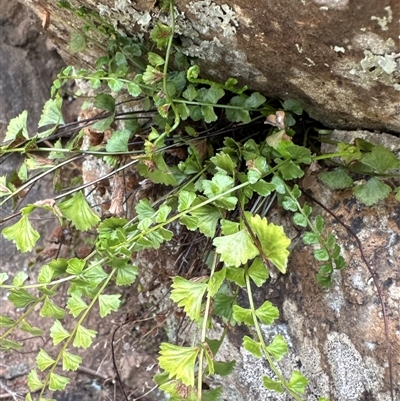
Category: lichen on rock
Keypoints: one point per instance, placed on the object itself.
(353, 376)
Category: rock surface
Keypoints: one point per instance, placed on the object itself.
(28, 65)
(340, 58)
(336, 337)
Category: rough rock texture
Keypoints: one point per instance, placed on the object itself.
(28, 64)
(336, 337)
(340, 58)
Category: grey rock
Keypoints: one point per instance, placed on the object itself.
(28, 65)
(341, 59)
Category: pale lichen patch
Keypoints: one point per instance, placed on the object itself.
(210, 28)
(382, 68)
(213, 17)
(353, 375)
(299, 48)
(103, 10)
(334, 297)
(311, 62)
(253, 369)
(242, 17)
(124, 14)
(375, 43)
(339, 49)
(308, 348)
(333, 4)
(358, 280)
(387, 63)
(394, 292)
(384, 21)
(121, 5)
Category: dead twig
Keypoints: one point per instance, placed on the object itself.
(10, 393)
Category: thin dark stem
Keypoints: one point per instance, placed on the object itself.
(376, 283)
(115, 364)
